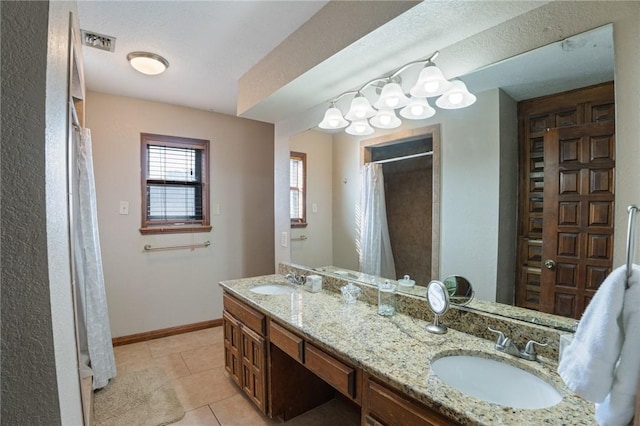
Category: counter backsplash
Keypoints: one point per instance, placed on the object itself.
(458, 318)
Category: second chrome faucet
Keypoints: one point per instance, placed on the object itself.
(506, 345)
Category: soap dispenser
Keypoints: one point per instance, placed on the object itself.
(386, 298)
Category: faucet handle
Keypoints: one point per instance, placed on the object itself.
(501, 337)
(529, 351)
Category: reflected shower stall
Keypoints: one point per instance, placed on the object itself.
(408, 184)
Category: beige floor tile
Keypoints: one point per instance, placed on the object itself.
(131, 352)
(202, 416)
(174, 344)
(239, 411)
(173, 365)
(204, 358)
(209, 336)
(204, 388)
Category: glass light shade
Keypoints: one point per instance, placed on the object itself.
(333, 119)
(430, 83)
(147, 63)
(386, 119)
(417, 109)
(456, 97)
(391, 97)
(360, 109)
(359, 128)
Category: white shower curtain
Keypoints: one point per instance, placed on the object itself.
(376, 257)
(93, 316)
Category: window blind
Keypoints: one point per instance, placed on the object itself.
(296, 177)
(174, 184)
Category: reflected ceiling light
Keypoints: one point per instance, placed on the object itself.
(359, 128)
(417, 109)
(386, 119)
(148, 63)
(391, 97)
(333, 119)
(360, 108)
(430, 83)
(456, 97)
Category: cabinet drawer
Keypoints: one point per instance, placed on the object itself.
(340, 376)
(393, 409)
(290, 344)
(245, 314)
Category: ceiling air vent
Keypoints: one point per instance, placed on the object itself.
(99, 41)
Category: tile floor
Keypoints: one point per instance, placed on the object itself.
(195, 363)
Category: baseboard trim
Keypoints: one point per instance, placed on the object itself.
(171, 331)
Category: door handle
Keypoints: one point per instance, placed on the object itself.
(549, 264)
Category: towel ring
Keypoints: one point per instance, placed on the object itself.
(632, 209)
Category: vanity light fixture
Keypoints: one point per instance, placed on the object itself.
(148, 63)
(430, 83)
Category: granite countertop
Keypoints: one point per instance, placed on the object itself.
(398, 351)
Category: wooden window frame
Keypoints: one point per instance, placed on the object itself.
(300, 222)
(151, 226)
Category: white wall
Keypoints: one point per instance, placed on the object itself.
(151, 291)
(317, 249)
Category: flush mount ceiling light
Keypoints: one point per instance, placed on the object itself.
(430, 83)
(148, 63)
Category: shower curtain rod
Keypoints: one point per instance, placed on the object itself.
(406, 157)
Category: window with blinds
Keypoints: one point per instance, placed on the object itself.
(298, 183)
(174, 184)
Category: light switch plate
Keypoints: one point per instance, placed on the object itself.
(124, 207)
(314, 208)
(284, 239)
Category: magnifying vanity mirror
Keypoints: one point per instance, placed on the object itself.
(459, 289)
(470, 225)
(438, 300)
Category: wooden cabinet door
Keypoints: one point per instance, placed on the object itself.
(254, 370)
(565, 230)
(577, 249)
(232, 361)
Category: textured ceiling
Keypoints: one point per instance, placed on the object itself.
(209, 45)
(212, 44)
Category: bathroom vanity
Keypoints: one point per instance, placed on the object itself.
(295, 350)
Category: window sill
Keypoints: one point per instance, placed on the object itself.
(174, 229)
(299, 225)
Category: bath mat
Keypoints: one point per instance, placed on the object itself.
(141, 398)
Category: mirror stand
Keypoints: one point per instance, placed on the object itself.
(436, 327)
(438, 299)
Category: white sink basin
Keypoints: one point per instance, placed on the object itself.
(495, 381)
(272, 289)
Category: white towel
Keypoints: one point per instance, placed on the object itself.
(619, 405)
(601, 363)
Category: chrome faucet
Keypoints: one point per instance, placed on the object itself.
(296, 280)
(506, 345)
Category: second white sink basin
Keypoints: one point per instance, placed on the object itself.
(495, 381)
(272, 289)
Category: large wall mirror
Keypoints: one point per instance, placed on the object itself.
(477, 177)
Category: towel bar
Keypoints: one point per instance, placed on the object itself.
(148, 247)
(632, 209)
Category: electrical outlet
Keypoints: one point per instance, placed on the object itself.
(216, 209)
(284, 239)
(124, 207)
